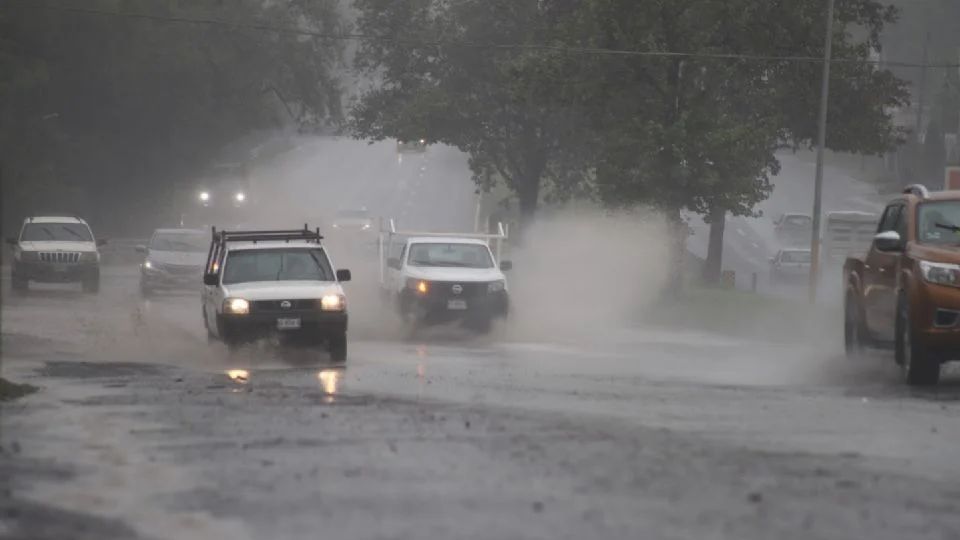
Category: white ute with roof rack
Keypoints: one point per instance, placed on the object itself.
(432, 278)
(55, 249)
(281, 284)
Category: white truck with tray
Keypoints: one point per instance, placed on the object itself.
(435, 278)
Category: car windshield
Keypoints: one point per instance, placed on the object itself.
(187, 241)
(795, 257)
(277, 265)
(797, 221)
(60, 232)
(939, 223)
(458, 255)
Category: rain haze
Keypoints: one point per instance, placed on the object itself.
(488, 269)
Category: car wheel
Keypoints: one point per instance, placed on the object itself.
(338, 347)
(91, 285)
(854, 330)
(920, 368)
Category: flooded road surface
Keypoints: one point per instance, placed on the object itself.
(143, 429)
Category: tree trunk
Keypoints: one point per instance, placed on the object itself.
(714, 264)
(678, 232)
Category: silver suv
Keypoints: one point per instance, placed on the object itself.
(54, 249)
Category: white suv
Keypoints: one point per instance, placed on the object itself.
(52, 249)
(274, 283)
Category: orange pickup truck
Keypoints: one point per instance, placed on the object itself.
(904, 292)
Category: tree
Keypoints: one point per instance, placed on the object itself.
(508, 109)
(700, 134)
(112, 110)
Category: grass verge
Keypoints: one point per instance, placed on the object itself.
(746, 314)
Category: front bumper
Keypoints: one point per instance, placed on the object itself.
(180, 280)
(315, 326)
(935, 310)
(437, 308)
(44, 272)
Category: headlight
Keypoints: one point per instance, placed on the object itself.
(496, 286)
(365, 226)
(240, 196)
(940, 273)
(89, 256)
(148, 265)
(420, 286)
(204, 196)
(30, 256)
(236, 306)
(333, 302)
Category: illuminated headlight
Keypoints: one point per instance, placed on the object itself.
(204, 196)
(148, 265)
(365, 226)
(236, 306)
(333, 302)
(240, 196)
(423, 141)
(496, 286)
(941, 273)
(420, 286)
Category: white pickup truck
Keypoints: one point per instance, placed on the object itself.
(432, 278)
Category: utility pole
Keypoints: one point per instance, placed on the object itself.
(821, 144)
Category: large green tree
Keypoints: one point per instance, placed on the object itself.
(440, 76)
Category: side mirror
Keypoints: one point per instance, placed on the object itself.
(343, 275)
(888, 241)
(12, 241)
(394, 263)
(141, 249)
(211, 279)
(506, 266)
(102, 242)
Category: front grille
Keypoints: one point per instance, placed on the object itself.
(445, 289)
(274, 305)
(60, 257)
(183, 270)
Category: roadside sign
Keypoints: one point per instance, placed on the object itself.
(952, 177)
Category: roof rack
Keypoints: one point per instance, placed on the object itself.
(919, 190)
(266, 236)
(220, 239)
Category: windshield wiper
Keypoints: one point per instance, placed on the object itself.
(952, 228)
(73, 232)
(280, 271)
(50, 234)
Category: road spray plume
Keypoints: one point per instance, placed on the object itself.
(580, 271)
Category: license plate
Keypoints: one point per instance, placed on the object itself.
(457, 305)
(288, 324)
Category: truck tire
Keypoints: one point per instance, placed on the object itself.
(920, 368)
(854, 329)
(338, 347)
(91, 285)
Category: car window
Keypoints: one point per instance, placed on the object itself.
(450, 254)
(889, 220)
(276, 265)
(60, 232)
(192, 242)
(939, 223)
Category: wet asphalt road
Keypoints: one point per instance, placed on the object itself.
(142, 429)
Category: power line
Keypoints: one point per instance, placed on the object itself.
(595, 51)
